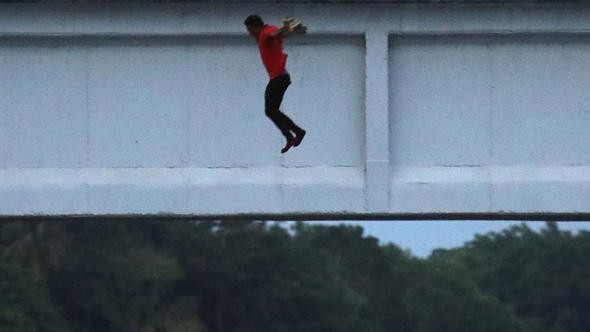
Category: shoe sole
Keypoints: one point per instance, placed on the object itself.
(287, 147)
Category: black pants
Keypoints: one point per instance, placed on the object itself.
(273, 96)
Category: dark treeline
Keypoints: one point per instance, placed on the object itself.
(251, 277)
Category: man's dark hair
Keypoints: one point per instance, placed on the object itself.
(254, 20)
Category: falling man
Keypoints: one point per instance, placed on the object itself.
(270, 43)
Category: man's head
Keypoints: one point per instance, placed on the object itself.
(254, 24)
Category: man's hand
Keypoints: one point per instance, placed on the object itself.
(289, 28)
(293, 27)
(298, 28)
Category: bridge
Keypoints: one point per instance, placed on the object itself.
(412, 111)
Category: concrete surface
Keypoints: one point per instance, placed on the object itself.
(158, 108)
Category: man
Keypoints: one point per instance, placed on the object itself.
(270, 43)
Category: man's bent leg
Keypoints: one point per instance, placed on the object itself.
(273, 96)
(274, 93)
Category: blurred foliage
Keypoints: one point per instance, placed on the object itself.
(159, 276)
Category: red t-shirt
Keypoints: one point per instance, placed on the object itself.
(271, 51)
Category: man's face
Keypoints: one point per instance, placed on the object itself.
(254, 30)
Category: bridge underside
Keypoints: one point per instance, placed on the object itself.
(336, 217)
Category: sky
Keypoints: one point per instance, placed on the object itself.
(421, 237)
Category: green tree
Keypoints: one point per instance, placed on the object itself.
(111, 277)
(443, 297)
(543, 275)
(155, 276)
(25, 303)
(374, 274)
(251, 277)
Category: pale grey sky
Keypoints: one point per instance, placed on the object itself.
(421, 237)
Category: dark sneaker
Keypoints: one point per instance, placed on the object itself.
(299, 137)
(289, 144)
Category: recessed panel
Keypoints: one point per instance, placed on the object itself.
(175, 101)
(489, 100)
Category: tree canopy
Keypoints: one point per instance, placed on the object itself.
(157, 276)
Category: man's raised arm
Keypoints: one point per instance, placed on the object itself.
(289, 28)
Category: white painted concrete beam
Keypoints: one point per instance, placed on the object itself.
(430, 110)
